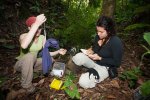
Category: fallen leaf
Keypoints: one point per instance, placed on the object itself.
(80, 90)
(85, 94)
(88, 91)
(11, 95)
(102, 87)
(114, 83)
(140, 80)
(111, 97)
(37, 97)
(96, 95)
(123, 91)
(35, 84)
(41, 81)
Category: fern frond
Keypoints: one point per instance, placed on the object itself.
(136, 26)
(142, 9)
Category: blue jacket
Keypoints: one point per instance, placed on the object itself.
(46, 57)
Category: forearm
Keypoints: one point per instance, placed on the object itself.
(54, 53)
(60, 51)
(28, 38)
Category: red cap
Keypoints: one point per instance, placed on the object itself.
(30, 21)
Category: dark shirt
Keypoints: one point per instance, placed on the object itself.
(111, 52)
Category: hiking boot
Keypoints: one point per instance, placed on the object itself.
(72, 66)
(72, 51)
(30, 89)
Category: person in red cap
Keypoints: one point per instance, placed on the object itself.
(31, 43)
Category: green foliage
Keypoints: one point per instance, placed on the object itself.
(124, 11)
(136, 26)
(8, 46)
(2, 11)
(2, 80)
(146, 37)
(78, 26)
(142, 9)
(131, 76)
(36, 7)
(130, 11)
(145, 88)
(95, 3)
(70, 88)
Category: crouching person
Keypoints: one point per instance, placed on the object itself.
(31, 43)
(106, 53)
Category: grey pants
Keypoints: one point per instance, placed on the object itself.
(81, 59)
(25, 65)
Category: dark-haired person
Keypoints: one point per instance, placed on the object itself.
(31, 43)
(106, 52)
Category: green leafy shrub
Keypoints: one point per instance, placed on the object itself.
(79, 25)
(36, 7)
(146, 37)
(145, 88)
(142, 9)
(131, 76)
(136, 26)
(71, 88)
(2, 80)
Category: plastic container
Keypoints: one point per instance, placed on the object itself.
(58, 69)
(56, 84)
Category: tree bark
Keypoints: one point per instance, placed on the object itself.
(108, 8)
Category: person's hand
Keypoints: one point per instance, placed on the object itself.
(89, 51)
(100, 42)
(95, 57)
(62, 51)
(40, 19)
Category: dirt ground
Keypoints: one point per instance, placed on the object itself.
(114, 89)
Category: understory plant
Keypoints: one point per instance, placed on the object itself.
(70, 87)
(131, 76)
(79, 25)
(145, 88)
(146, 37)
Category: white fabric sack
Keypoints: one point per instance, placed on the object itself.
(87, 82)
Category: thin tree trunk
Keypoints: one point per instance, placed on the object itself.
(108, 8)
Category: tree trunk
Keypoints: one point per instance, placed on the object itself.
(108, 8)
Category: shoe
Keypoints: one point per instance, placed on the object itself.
(72, 66)
(30, 89)
(72, 51)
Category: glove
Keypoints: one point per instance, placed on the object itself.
(94, 72)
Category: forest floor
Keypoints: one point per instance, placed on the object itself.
(109, 89)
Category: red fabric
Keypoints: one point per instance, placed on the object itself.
(30, 21)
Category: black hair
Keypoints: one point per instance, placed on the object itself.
(108, 24)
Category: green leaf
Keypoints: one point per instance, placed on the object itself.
(70, 88)
(146, 53)
(72, 91)
(8, 46)
(131, 75)
(131, 83)
(2, 80)
(145, 88)
(142, 9)
(67, 82)
(146, 36)
(136, 26)
(123, 77)
(145, 47)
